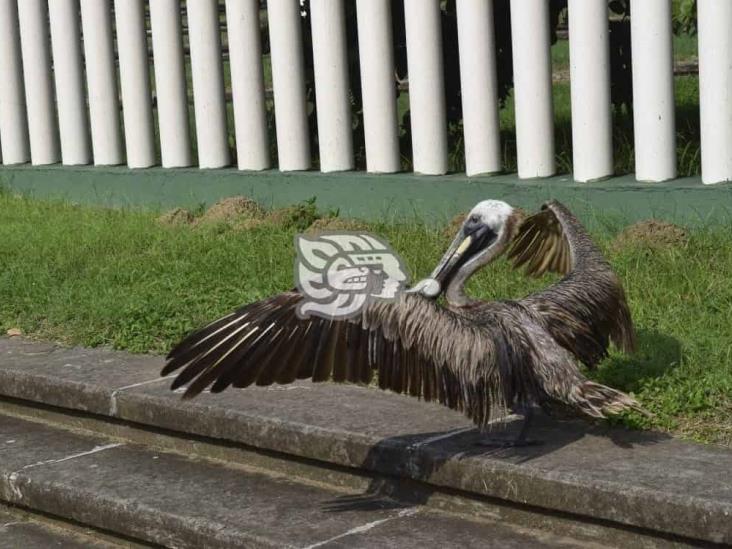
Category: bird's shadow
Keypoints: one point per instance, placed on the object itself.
(656, 354)
(405, 466)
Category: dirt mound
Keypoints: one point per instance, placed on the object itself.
(337, 224)
(652, 233)
(178, 216)
(231, 210)
(251, 223)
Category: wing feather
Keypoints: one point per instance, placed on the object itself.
(542, 245)
(586, 310)
(416, 346)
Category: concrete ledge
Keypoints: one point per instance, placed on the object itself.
(21, 529)
(644, 480)
(386, 196)
(177, 501)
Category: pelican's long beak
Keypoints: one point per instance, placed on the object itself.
(460, 251)
(452, 257)
(433, 286)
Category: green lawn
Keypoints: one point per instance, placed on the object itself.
(108, 277)
(685, 49)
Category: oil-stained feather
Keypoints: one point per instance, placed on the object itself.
(280, 357)
(201, 333)
(340, 353)
(212, 354)
(301, 361)
(322, 363)
(231, 367)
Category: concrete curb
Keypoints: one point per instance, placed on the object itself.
(643, 480)
(179, 501)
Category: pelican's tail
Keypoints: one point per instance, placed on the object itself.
(598, 400)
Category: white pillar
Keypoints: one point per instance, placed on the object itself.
(96, 22)
(532, 77)
(247, 84)
(204, 36)
(479, 86)
(653, 90)
(288, 80)
(69, 75)
(330, 60)
(134, 68)
(589, 55)
(714, 21)
(426, 86)
(13, 121)
(42, 124)
(170, 83)
(378, 86)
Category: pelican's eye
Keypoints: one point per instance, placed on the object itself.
(472, 224)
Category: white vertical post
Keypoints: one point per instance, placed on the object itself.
(13, 121)
(134, 71)
(247, 84)
(204, 36)
(479, 86)
(426, 86)
(330, 60)
(715, 82)
(532, 77)
(288, 80)
(42, 124)
(589, 56)
(170, 83)
(69, 75)
(653, 90)
(96, 21)
(376, 59)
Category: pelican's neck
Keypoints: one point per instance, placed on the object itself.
(455, 291)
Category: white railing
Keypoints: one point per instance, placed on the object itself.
(66, 96)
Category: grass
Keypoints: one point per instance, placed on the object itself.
(94, 277)
(685, 49)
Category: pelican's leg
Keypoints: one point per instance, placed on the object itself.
(520, 440)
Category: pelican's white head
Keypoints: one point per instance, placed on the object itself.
(482, 237)
(489, 213)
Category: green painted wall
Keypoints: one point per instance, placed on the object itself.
(358, 194)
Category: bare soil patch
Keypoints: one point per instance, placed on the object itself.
(337, 224)
(232, 210)
(652, 233)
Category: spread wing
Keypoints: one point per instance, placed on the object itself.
(585, 310)
(413, 345)
(542, 246)
(416, 346)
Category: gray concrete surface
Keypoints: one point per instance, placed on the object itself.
(17, 531)
(177, 501)
(639, 479)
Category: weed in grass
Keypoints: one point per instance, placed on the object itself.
(177, 216)
(118, 278)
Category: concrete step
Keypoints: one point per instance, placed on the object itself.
(20, 528)
(178, 501)
(595, 482)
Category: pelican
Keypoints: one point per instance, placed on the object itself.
(482, 358)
